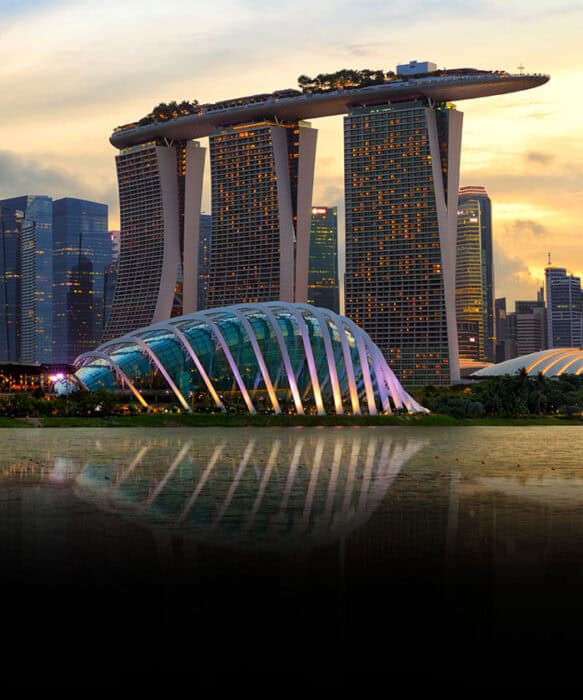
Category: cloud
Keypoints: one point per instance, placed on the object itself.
(539, 157)
(19, 176)
(526, 228)
(512, 277)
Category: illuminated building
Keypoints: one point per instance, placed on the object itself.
(82, 251)
(475, 276)
(204, 257)
(10, 232)
(268, 357)
(401, 183)
(323, 271)
(262, 177)
(36, 277)
(564, 309)
(158, 182)
(262, 165)
(529, 326)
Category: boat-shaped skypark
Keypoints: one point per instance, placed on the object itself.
(402, 147)
(293, 105)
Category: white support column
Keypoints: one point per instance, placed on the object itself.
(286, 224)
(259, 355)
(142, 344)
(351, 379)
(329, 356)
(229, 357)
(291, 377)
(357, 334)
(305, 335)
(192, 202)
(306, 164)
(186, 343)
(118, 370)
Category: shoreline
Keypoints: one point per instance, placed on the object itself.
(189, 420)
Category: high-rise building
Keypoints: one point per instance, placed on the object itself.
(10, 232)
(262, 178)
(204, 259)
(402, 179)
(505, 332)
(82, 250)
(475, 275)
(564, 309)
(323, 288)
(158, 183)
(36, 277)
(529, 326)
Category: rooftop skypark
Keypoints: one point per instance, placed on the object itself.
(324, 95)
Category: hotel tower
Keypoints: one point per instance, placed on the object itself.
(401, 180)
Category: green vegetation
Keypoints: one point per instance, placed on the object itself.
(343, 79)
(516, 400)
(170, 110)
(507, 397)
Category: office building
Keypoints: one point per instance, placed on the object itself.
(323, 287)
(262, 177)
(10, 232)
(36, 277)
(475, 276)
(564, 309)
(401, 181)
(82, 251)
(530, 326)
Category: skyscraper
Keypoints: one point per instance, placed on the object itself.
(564, 308)
(323, 269)
(10, 232)
(204, 259)
(158, 182)
(529, 326)
(475, 275)
(262, 178)
(401, 180)
(36, 281)
(82, 250)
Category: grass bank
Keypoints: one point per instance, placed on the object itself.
(194, 420)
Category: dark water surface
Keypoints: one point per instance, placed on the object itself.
(125, 550)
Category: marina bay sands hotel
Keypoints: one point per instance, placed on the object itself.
(402, 145)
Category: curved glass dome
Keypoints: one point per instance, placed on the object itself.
(550, 363)
(266, 357)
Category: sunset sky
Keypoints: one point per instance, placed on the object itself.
(73, 70)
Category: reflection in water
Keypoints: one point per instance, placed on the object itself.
(306, 488)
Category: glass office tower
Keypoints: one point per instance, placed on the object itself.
(82, 251)
(475, 276)
(401, 182)
(564, 308)
(323, 273)
(10, 233)
(36, 281)
(262, 179)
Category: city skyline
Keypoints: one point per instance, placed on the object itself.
(523, 148)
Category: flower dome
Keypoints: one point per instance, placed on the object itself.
(264, 357)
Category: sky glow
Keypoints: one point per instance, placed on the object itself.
(72, 71)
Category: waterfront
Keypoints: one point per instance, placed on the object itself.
(347, 545)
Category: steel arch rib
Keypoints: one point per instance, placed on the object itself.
(293, 385)
(305, 334)
(378, 362)
(118, 370)
(259, 355)
(351, 379)
(360, 344)
(329, 355)
(195, 358)
(222, 342)
(140, 342)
